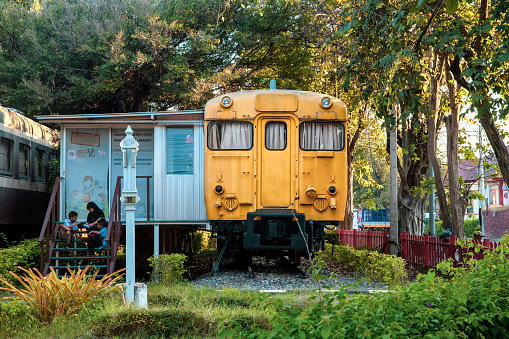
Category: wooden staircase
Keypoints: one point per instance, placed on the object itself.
(53, 251)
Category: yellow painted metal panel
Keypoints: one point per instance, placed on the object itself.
(276, 102)
(260, 178)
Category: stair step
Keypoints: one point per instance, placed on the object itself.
(90, 275)
(72, 240)
(78, 258)
(78, 267)
(71, 249)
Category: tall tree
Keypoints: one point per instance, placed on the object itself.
(76, 56)
(473, 37)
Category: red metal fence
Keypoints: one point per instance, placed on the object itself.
(422, 250)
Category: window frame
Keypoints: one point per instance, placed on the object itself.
(229, 149)
(41, 167)
(8, 172)
(192, 172)
(285, 134)
(28, 167)
(340, 123)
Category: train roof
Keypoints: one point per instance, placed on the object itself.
(14, 121)
(305, 105)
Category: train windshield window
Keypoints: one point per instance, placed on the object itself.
(180, 151)
(275, 135)
(39, 164)
(24, 161)
(6, 148)
(225, 135)
(322, 136)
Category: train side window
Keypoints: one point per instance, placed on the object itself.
(322, 136)
(230, 135)
(24, 161)
(39, 165)
(6, 155)
(275, 135)
(180, 150)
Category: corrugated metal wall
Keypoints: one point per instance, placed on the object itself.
(179, 197)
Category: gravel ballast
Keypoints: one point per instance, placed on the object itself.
(272, 276)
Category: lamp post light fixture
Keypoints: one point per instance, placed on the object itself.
(129, 197)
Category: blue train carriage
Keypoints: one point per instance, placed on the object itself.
(26, 148)
(374, 220)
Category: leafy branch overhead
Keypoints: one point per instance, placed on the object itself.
(138, 55)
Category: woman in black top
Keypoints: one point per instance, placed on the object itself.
(94, 213)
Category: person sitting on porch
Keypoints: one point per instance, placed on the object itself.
(69, 228)
(97, 238)
(94, 214)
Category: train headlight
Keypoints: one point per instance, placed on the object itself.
(226, 101)
(332, 190)
(326, 102)
(219, 189)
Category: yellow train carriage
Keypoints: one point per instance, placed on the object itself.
(275, 169)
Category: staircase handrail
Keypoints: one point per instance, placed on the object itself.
(48, 229)
(114, 223)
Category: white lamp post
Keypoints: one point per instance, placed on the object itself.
(130, 197)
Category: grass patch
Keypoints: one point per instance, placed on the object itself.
(176, 311)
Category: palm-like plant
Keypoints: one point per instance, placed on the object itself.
(51, 297)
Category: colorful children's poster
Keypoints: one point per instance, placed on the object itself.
(86, 173)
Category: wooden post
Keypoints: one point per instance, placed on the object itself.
(452, 247)
(403, 242)
(369, 241)
(426, 250)
(355, 242)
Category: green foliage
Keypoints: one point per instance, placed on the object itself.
(51, 297)
(469, 227)
(197, 243)
(160, 323)
(470, 303)
(371, 264)
(138, 55)
(24, 254)
(14, 315)
(168, 269)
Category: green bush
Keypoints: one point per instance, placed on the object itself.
(371, 264)
(470, 303)
(168, 269)
(24, 254)
(470, 226)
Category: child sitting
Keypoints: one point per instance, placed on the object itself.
(69, 228)
(97, 238)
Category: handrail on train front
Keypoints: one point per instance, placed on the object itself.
(49, 220)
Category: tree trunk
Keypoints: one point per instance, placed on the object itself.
(437, 66)
(412, 169)
(347, 223)
(496, 142)
(458, 201)
(411, 209)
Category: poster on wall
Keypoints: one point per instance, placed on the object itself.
(86, 170)
(144, 168)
